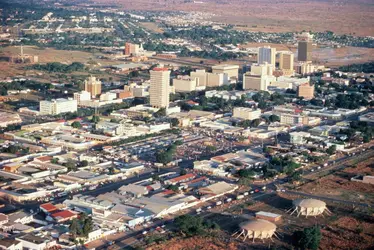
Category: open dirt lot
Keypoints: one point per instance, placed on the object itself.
(348, 17)
(339, 185)
(151, 26)
(45, 56)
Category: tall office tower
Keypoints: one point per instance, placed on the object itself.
(305, 47)
(92, 85)
(160, 88)
(266, 55)
(286, 59)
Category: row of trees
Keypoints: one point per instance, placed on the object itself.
(20, 85)
(59, 67)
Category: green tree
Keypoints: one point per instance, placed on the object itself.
(54, 161)
(95, 119)
(160, 113)
(246, 173)
(73, 228)
(174, 122)
(83, 163)
(274, 118)
(71, 165)
(331, 150)
(309, 238)
(190, 225)
(255, 123)
(173, 188)
(76, 124)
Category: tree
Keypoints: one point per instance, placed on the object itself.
(190, 225)
(255, 123)
(70, 164)
(73, 228)
(95, 119)
(174, 122)
(54, 161)
(274, 118)
(160, 113)
(173, 188)
(309, 238)
(210, 149)
(331, 150)
(246, 173)
(83, 163)
(76, 124)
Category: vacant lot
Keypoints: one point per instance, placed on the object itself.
(151, 27)
(339, 184)
(48, 55)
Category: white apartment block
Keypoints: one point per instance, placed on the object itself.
(58, 106)
(82, 96)
(246, 113)
(160, 88)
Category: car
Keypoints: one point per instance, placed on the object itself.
(144, 232)
(283, 190)
(209, 207)
(312, 170)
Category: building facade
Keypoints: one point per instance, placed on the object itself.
(160, 88)
(58, 106)
(93, 86)
(266, 55)
(305, 90)
(246, 113)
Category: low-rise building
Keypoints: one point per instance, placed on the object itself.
(246, 113)
(299, 137)
(58, 106)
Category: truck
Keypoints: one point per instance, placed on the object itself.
(239, 197)
(218, 203)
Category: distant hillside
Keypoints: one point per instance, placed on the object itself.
(340, 16)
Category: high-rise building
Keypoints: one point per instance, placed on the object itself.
(286, 59)
(259, 78)
(131, 49)
(160, 88)
(305, 90)
(93, 86)
(266, 55)
(305, 47)
(57, 106)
